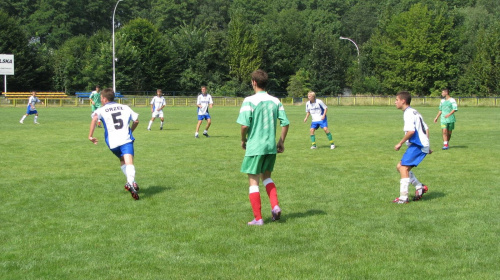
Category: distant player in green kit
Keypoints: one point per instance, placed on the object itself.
(447, 109)
(259, 115)
(95, 101)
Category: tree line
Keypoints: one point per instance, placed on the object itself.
(179, 45)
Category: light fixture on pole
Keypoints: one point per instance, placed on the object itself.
(114, 59)
(345, 38)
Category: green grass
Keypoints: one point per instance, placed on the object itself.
(65, 214)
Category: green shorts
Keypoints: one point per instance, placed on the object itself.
(448, 126)
(258, 164)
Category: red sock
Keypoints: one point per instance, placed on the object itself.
(255, 202)
(272, 193)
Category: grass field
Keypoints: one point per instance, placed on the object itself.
(65, 214)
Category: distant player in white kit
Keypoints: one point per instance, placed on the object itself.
(317, 109)
(204, 102)
(31, 109)
(157, 105)
(417, 139)
(118, 134)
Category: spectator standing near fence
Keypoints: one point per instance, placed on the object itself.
(118, 134)
(31, 108)
(203, 102)
(157, 105)
(317, 109)
(258, 117)
(417, 139)
(447, 109)
(95, 101)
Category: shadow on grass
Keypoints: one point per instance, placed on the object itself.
(153, 190)
(216, 136)
(459, 147)
(313, 212)
(433, 195)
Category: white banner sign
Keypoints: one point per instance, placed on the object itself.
(6, 64)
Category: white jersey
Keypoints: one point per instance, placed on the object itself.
(116, 120)
(204, 101)
(32, 101)
(413, 121)
(316, 109)
(157, 102)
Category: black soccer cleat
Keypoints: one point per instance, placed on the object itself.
(132, 191)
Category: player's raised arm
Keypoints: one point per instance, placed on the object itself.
(92, 128)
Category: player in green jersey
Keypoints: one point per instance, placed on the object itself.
(259, 115)
(447, 109)
(95, 101)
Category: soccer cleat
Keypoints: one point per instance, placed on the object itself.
(255, 222)
(196, 135)
(132, 191)
(313, 147)
(161, 127)
(332, 146)
(276, 212)
(400, 201)
(149, 129)
(21, 122)
(446, 147)
(37, 123)
(418, 196)
(136, 187)
(205, 134)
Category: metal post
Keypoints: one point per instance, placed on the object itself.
(345, 38)
(114, 59)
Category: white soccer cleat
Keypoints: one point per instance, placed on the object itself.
(332, 146)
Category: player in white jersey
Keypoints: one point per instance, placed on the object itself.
(116, 119)
(204, 102)
(157, 105)
(417, 139)
(31, 108)
(317, 109)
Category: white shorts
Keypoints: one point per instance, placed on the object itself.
(157, 114)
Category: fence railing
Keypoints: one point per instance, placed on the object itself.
(236, 101)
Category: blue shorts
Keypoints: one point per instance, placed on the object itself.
(413, 156)
(123, 149)
(322, 124)
(203, 117)
(29, 112)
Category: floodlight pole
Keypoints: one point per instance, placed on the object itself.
(114, 59)
(345, 38)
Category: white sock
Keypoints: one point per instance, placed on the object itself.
(205, 131)
(414, 181)
(161, 124)
(150, 123)
(22, 119)
(130, 168)
(36, 117)
(196, 134)
(403, 188)
(124, 170)
(445, 142)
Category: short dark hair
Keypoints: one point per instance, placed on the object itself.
(109, 94)
(406, 96)
(261, 78)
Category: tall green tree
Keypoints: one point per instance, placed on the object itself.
(244, 51)
(411, 53)
(154, 53)
(30, 70)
